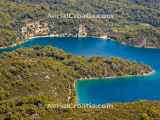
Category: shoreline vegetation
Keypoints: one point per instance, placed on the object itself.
(123, 76)
(22, 42)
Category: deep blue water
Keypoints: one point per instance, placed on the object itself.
(114, 90)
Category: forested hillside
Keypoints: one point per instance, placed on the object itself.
(141, 21)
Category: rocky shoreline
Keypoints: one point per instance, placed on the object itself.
(123, 76)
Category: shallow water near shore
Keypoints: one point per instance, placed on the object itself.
(125, 89)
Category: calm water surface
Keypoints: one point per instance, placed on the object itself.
(114, 90)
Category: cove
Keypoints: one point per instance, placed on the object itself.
(113, 90)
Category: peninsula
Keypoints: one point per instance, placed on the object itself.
(27, 72)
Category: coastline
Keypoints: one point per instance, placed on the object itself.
(60, 36)
(123, 76)
(109, 78)
(15, 44)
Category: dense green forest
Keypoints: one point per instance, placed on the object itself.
(141, 20)
(33, 77)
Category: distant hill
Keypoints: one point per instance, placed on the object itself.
(134, 20)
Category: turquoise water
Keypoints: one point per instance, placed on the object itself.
(125, 89)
